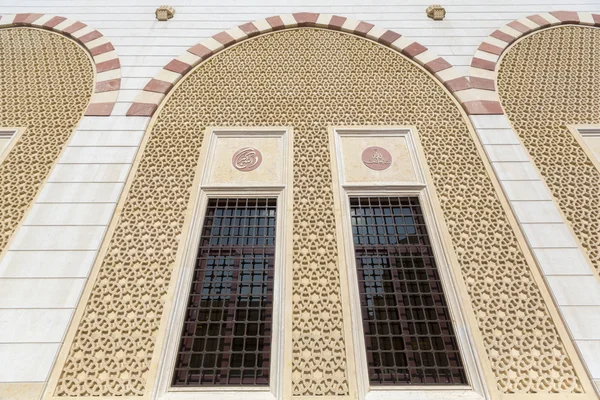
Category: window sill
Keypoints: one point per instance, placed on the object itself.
(423, 393)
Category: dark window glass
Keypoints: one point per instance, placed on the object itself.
(226, 338)
(408, 330)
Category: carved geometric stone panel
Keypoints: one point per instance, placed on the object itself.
(46, 82)
(547, 81)
(311, 79)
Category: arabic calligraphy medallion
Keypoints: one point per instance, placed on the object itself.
(247, 159)
(376, 158)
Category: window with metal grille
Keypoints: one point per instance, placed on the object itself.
(226, 337)
(408, 331)
(7, 138)
(591, 137)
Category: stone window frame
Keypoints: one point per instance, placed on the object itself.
(450, 276)
(233, 278)
(15, 137)
(583, 131)
(280, 376)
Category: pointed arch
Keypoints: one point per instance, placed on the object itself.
(155, 91)
(106, 61)
(484, 66)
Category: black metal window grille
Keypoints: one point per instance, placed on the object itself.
(408, 331)
(226, 337)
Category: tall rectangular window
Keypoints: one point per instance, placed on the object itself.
(6, 136)
(591, 136)
(408, 331)
(226, 336)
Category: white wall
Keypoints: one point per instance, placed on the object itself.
(145, 44)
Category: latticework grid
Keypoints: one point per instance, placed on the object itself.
(408, 331)
(226, 337)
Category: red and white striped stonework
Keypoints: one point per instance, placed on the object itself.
(108, 67)
(148, 100)
(483, 97)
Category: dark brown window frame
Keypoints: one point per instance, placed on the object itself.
(235, 250)
(412, 370)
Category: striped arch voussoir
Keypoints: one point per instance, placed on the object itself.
(108, 67)
(148, 100)
(483, 97)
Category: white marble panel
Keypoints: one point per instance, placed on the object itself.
(515, 171)
(562, 262)
(506, 153)
(40, 293)
(578, 290)
(47, 264)
(490, 121)
(498, 136)
(549, 235)
(128, 95)
(58, 238)
(526, 190)
(98, 155)
(146, 72)
(80, 193)
(34, 325)
(536, 212)
(582, 321)
(26, 362)
(113, 123)
(70, 214)
(121, 108)
(106, 138)
(89, 173)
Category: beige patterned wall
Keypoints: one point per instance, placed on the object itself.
(311, 79)
(46, 82)
(547, 81)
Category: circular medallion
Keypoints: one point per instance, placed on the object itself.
(247, 159)
(376, 158)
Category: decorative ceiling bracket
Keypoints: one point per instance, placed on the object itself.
(436, 12)
(164, 13)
